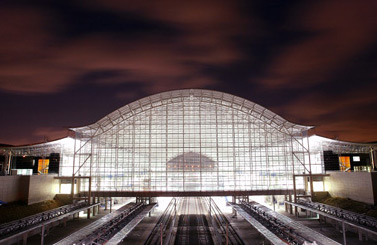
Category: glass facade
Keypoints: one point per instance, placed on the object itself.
(191, 140)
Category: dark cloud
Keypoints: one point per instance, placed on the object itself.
(70, 63)
(343, 115)
(96, 45)
(26, 62)
(340, 30)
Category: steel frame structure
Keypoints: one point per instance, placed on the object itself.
(191, 140)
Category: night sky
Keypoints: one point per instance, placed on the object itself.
(69, 63)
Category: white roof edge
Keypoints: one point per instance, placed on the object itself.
(183, 92)
(342, 142)
(57, 141)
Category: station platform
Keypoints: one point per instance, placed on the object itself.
(294, 227)
(327, 229)
(58, 233)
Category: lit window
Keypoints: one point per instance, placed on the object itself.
(356, 158)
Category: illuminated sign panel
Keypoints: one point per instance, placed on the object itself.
(356, 158)
(43, 166)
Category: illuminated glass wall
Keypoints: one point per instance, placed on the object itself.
(191, 140)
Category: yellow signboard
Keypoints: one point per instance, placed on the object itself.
(43, 166)
(345, 163)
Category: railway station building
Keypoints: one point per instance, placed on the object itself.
(193, 143)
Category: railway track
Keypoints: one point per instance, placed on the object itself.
(193, 220)
(223, 230)
(193, 226)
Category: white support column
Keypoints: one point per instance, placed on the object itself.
(217, 150)
(267, 155)
(344, 234)
(150, 152)
(166, 147)
(116, 158)
(8, 163)
(234, 153)
(200, 149)
(250, 153)
(73, 169)
(310, 167)
(183, 147)
(42, 234)
(133, 156)
(372, 158)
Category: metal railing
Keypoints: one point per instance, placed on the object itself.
(361, 219)
(224, 231)
(25, 223)
(279, 228)
(161, 233)
(103, 233)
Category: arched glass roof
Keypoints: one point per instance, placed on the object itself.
(209, 96)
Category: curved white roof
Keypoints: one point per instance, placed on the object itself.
(220, 98)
